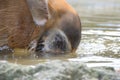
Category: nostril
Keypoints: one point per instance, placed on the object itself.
(39, 47)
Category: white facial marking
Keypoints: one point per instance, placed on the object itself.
(40, 22)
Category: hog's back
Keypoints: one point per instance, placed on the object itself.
(16, 23)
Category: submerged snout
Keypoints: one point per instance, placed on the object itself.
(53, 42)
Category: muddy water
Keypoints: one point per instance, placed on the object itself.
(100, 31)
(100, 44)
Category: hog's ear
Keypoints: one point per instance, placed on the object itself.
(39, 11)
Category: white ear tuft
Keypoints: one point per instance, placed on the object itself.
(40, 22)
(39, 11)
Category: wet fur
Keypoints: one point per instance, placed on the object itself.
(16, 22)
(25, 21)
(65, 18)
(54, 41)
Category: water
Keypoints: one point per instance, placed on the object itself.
(100, 34)
(100, 44)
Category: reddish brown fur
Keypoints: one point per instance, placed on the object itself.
(17, 22)
(17, 27)
(64, 17)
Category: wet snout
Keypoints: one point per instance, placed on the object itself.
(52, 42)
